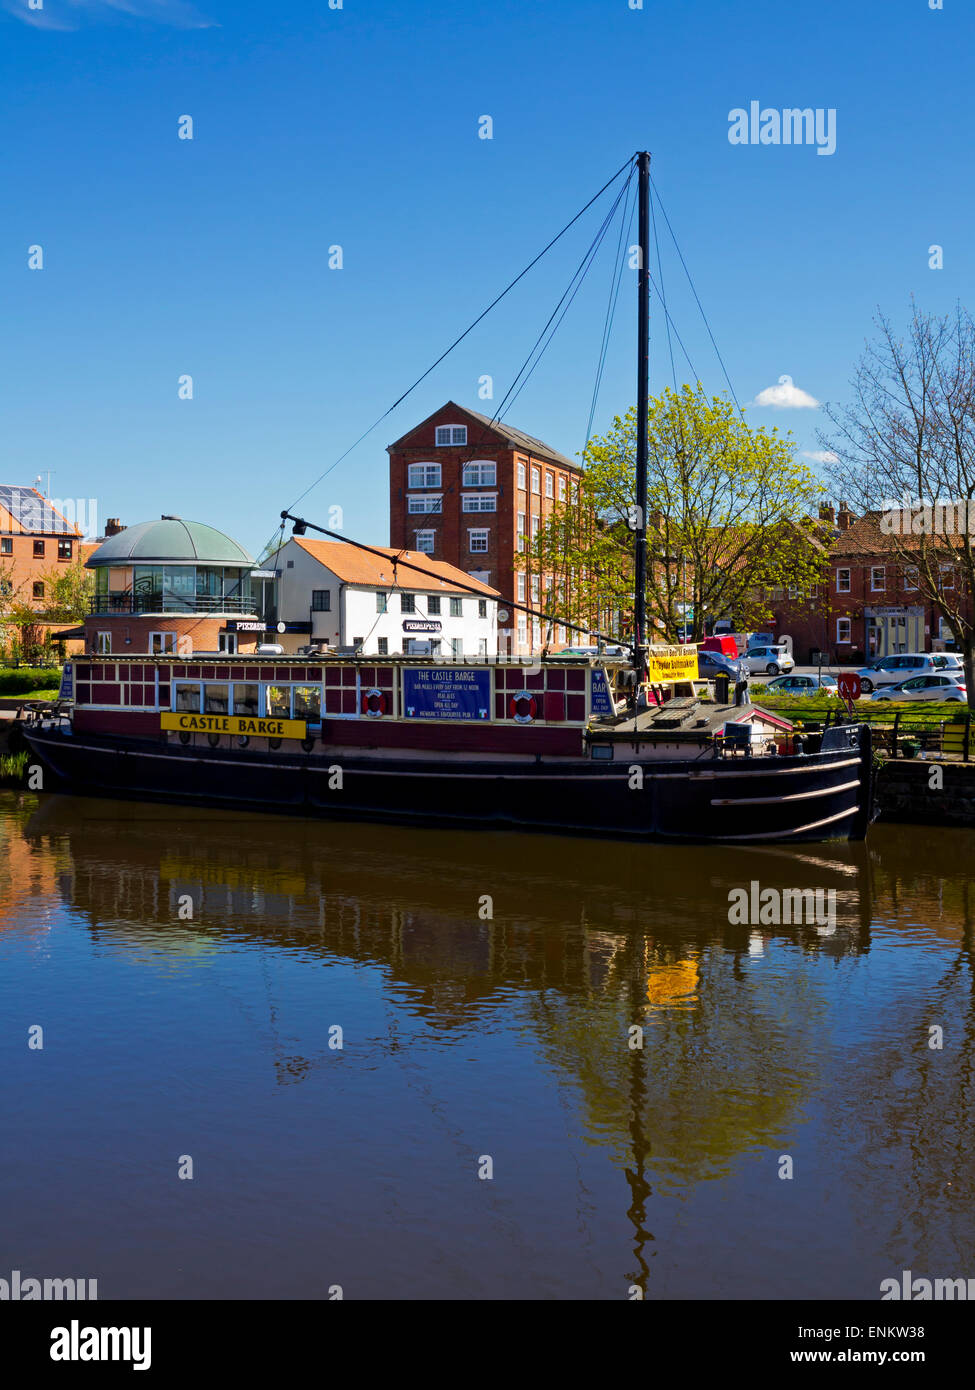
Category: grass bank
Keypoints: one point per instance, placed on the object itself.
(13, 769)
(29, 680)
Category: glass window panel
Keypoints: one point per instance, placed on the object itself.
(279, 701)
(308, 703)
(215, 698)
(186, 699)
(246, 700)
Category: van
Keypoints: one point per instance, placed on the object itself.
(727, 646)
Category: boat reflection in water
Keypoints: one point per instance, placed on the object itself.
(636, 1063)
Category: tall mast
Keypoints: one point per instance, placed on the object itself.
(642, 407)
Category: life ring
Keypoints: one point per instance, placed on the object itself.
(523, 697)
(373, 703)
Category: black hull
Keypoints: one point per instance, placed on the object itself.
(827, 795)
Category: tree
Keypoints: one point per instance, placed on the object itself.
(68, 591)
(904, 449)
(728, 517)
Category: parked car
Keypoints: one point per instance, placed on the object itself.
(950, 688)
(894, 670)
(610, 649)
(802, 685)
(711, 664)
(767, 658)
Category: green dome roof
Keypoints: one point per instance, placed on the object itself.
(170, 541)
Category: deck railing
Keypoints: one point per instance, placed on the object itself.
(108, 604)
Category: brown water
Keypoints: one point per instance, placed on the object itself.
(189, 969)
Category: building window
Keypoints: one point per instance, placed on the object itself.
(425, 541)
(6, 545)
(426, 504)
(549, 484)
(482, 607)
(843, 629)
(65, 550)
(482, 646)
(911, 577)
(560, 633)
(478, 541)
(536, 523)
(160, 642)
(423, 475)
(227, 642)
(536, 480)
(521, 581)
(947, 576)
(358, 643)
(456, 607)
(536, 588)
(878, 581)
(479, 502)
(563, 489)
(38, 550)
(382, 646)
(522, 630)
(382, 601)
(451, 434)
(407, 603)
(520, 542)
(575, 490)
(842, 581)
(433, 605)
(38, 588)
(480, 473)
(103, 642)
(457, 647)
(522, 476)
(321, 600)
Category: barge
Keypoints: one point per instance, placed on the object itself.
(557, 745)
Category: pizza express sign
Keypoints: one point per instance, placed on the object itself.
(420, 625)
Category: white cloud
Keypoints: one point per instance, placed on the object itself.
(821, 455)
(72, 14)
(786, 396)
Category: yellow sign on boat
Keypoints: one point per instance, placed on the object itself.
(237, 724)
(672, 664)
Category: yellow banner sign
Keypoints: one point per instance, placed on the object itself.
(234, 724)
(673, 664)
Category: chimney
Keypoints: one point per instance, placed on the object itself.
(827, 512)
(844, 517)
(113, 526)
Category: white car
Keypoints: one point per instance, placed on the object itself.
(802, 685)
(949, 687)
(773, 661)
(887, 671)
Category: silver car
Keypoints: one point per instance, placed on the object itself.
(949, 687)
(772, 660)
(802, 685)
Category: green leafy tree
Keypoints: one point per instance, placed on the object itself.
(68, 592)
(728, 520)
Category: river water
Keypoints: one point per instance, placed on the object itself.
(408, 1064)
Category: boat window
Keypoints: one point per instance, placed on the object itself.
(308, 703)
(246, 700)
(186, 699)
(215, 698)
(278, 701)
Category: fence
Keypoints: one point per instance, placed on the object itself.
(909, 733)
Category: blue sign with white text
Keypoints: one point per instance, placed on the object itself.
(67, 683)
(433, 692)
(599, 691)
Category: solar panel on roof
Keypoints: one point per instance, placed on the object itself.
(32, 511)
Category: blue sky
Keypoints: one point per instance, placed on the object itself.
(359, 127)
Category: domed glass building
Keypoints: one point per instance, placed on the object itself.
(157, 573)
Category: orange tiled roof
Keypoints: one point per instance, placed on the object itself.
(354, 566)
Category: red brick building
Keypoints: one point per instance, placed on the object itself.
(869, 602)
(36, 541)
(473, 492)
